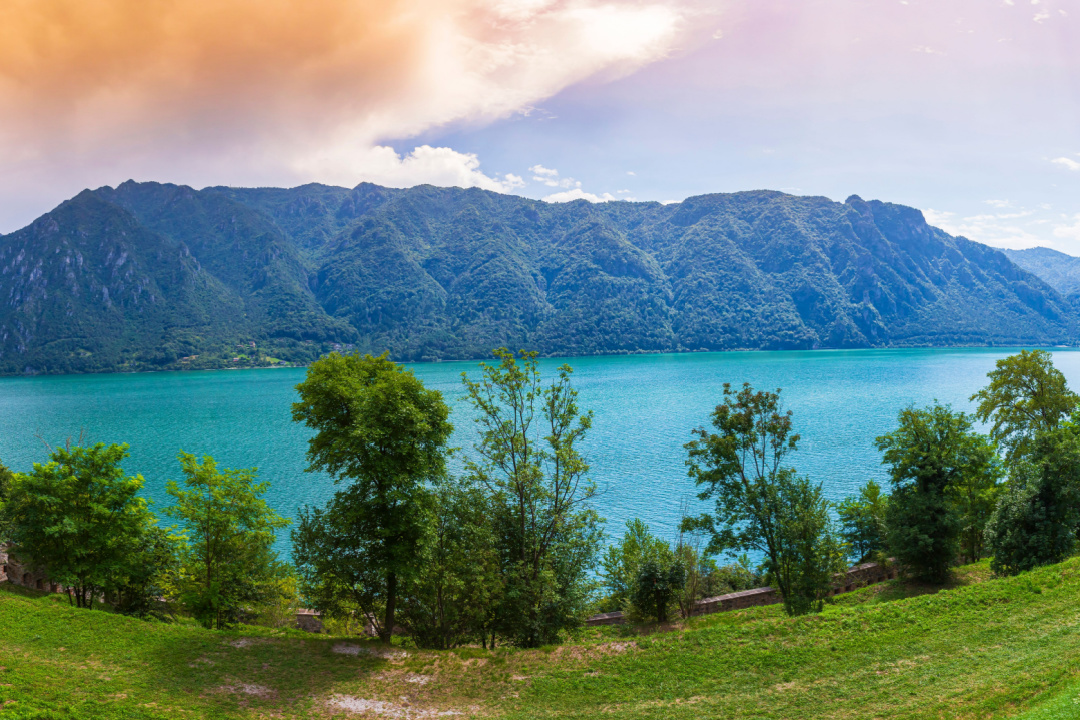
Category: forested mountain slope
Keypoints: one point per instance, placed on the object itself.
(149, 275)
(1060, 271)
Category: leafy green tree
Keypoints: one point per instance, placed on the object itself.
(1036, 519)
(152, 567)
(657, 586)
(1026, 395)
(862, 521)
(974, 496)
(811, 551)
(528, 464)
(80, 519)
(378, 429)
(933, 451)
(451, 601)
(621, 563)
(227, 563)
(761, 505)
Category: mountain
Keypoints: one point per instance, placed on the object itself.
(149, 275)
(1058, 270)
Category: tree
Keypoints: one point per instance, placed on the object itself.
(378, 429)
(152, 567)
(862, 521)
(528, 464)
(657, 586)
(79, 519)
(760, 505)
(227, 562)
(451, 601)
(621, 563)
(974, 496)
(932, 452)
(1026, 395)
(1036, 519)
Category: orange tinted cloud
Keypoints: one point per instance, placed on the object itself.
(264, 90)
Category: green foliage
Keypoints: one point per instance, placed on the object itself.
(934, 456)
(430, 273)
(79, 519)
(621, 563)
(451, 601)
(227, 566)
(761, 505)
(1037, 518)
(862, 520)
(528, 466)
(660, 580)
(151, 568)
(380, 430)
(7, 482)
(1027, 395)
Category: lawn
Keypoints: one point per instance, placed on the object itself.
(982, 648)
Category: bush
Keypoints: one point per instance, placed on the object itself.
(658, 584)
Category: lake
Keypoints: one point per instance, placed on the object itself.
(645, 407)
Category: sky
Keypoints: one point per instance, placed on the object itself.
(966, 109)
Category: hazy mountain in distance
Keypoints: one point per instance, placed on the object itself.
(149, 276)
(1060, 271)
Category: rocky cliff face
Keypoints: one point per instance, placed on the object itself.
(144, 274)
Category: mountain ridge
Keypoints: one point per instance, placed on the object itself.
(431, 273)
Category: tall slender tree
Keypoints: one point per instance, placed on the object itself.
(760, 503)
(383, 435)
(227, 558)
(528, 462)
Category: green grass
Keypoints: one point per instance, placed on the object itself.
(983, 648)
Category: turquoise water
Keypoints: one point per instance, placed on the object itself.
(645, 406)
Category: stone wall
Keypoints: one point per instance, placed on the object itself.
(14, 572)
(857, 577)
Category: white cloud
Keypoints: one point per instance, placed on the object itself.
(1069, 232)
(425, 164)
(541, 170)
(998, 203)
(927, 50)
(578, 194)
(1067, 162)
(997, 230)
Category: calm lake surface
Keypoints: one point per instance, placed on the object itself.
(645, 406)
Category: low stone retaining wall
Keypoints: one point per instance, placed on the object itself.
(857, 577)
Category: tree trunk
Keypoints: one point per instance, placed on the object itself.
(391, 603)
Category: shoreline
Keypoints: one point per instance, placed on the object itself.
(635, 353)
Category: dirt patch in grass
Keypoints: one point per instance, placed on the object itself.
(383, 708)
(379, 652)
(586, 652)
(252, 689)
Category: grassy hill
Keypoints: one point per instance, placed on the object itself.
(983, 648)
